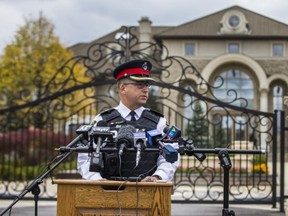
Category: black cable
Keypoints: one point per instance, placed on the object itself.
(120, 165)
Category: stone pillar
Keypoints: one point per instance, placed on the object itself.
(286, 101)
(263, 107)
(264, 100)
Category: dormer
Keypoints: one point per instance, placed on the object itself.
(234, 22)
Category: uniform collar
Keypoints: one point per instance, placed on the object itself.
(125, 111)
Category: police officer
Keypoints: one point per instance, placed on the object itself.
(133, 80)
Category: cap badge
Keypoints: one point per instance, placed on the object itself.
(145, 66)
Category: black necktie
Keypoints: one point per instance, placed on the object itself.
(132, 113)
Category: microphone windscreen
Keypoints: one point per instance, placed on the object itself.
(126, 133)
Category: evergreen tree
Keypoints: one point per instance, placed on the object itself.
(197, 128)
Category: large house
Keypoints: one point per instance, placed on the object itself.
(247, 49)
(235, 41)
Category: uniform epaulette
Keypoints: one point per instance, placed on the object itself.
(152, 115)
(107, 111)
(110, 114)
(156, 113)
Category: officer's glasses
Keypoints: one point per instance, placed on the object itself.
(139, 85)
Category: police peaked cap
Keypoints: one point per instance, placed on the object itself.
(137, 70)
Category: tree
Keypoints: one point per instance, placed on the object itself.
(197, 128)
(152, 101)
(28, 65)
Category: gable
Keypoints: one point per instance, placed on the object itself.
(210, 26)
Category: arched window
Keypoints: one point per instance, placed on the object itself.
(188, 102)
(277, 92)
(235, 82)
(277, 97)
(235, 87)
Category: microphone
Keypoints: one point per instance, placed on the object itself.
(172, 133)
(82, 132)
(100, 132)
(169, 153)
(125, 137)
(84, 129)
(139, 144)
(155, 138)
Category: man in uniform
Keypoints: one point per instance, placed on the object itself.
(133, 82)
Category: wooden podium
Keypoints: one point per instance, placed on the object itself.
(88, 197)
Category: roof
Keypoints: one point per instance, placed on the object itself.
(204, 27)
(209, 26)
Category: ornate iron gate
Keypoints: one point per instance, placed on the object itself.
(30, 132)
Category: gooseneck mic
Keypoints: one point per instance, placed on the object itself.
(125, 137)
(139, 144)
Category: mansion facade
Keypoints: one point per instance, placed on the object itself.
(249, 50)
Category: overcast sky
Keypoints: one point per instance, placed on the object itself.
(86, 20)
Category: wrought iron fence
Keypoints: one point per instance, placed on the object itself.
(30, 132)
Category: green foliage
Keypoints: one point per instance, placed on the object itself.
(259, 159)
(29, 66)
(10, 172)
(204, 134)
(30, 61)
(22, 172)
(220, 138)
(197, 128)
(151, 102)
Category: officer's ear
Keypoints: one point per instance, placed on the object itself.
(121, 85)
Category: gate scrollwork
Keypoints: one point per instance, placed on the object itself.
(84, 86)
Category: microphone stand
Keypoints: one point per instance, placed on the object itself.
(34, 186)
(225, 162)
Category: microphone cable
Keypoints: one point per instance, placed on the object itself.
(117, 197)
(137, 192)
(120, 166)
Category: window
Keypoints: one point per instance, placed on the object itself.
(190, 49)
(234, 21)
(236, 83)
(278, 98)
(278, 102)
(278, 49)
(233, 48)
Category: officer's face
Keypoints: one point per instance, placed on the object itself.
(134, 94)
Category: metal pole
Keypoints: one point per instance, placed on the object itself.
(282, 159)
(274, 161)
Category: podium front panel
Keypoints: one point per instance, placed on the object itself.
(86, 197)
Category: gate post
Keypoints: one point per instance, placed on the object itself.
(282, 159)
(274, 160)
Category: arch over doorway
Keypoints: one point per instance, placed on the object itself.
(237, 58)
